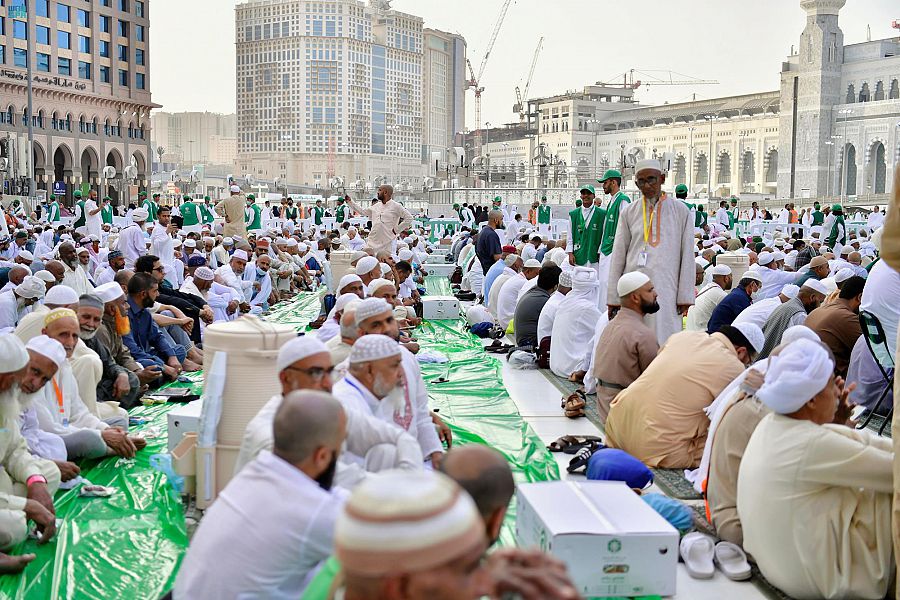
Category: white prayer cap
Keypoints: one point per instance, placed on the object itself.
(478, 314)
(800, 371)
(765, 258)
(94, 238)
(846, 250)
(301, 247)
(13, 356)
(292, 243)
(708, 243)
(204, 273)
(843, 275)
(798, 332)
(422, 518)
(240, 254)
(297, 349)
(31, 287)
(140, 214)
(701, 261)
(367, 264)
(209, 238)
(718, 239)
(26, 255)
(565, 279)
(61, 295)
(46, 346)
(351, 228)
(45, 276)
(344, 301)
(347, 280)
(647, 164)
(405, 255)
(235, 189)
(83, 250)
(190, 243)
(721, 270)
(385, 269)
(778, 256)
(752, 274)
(359, 254)
(511, 260)
(790, 291)
(108, 292)
(369, 308)
(228, 241)
(532, 263)
(753, 334)
(631, 282)
(280, 241)
(372, 347)
(177, 243)
(376, 285)
(815, 284)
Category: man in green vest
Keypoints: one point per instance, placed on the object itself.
(837, 230)
(701, 219)
(817, 216)
(612, 183)
(106, 211)
(53, 213)
(80, 218)
(544, 215)
(586, 231)
(150, 206)
(317, 213)
(190, 212)
(733, 213)
(340, 213)
(291, 213)
(253, 214)
(206, 211)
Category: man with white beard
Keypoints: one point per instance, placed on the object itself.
(17, 302)
(232, 274)
(27, 483)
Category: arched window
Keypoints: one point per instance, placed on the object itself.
(864, 95)
(851, 94)
(895, 90)
(879, 91)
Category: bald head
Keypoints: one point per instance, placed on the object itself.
(18, 273)
(348, 324)
(305, 422)
(484, 474)
(57, 268)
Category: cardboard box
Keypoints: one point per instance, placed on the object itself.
(183, 419)
(440, 307)
(613, 543)
(441, 270)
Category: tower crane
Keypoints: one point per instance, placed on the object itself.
(522, 97)
(629, 82)
(475, 80)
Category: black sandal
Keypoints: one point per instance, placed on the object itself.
(580, 460)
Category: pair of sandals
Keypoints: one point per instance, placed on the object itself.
(498, 347)
(701, 555)
(571, 444)
(573, 405)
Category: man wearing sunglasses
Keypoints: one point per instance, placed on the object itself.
(304, 363)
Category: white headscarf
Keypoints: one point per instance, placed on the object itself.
(802, 370)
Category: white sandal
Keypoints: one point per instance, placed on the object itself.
(732, 561)
(697, 552)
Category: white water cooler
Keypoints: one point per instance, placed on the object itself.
(739, 263)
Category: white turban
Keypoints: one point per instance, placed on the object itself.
(373, 347)
(630, 282)
(298, 349)
(798, 332)
(140, 214)
(371, 307)
(109, 292)
(13, 356)
(648, 164)
(347, 280)
(584, 277)
(366, 264)
(61, 295)
(31, 287)
(204, 274)
(378, 284)
(800, 371)
(48, 347)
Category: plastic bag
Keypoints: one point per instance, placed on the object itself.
(523, 360)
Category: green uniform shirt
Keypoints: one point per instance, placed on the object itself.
(835, 232)
(318, 213)
(83, 218)
(255, 219)
(700, 219)
(340, 213)
(731, 218)
(151, 208)
(106, 214)
(206, 214)
(53, 214)
(544, 214)
(818, 217)
(611, 222)
(190, 214)
(586, 237)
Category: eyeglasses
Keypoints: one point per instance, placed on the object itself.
(160, 269)
(314, 373)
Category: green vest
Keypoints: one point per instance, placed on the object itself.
(544, 214)
(106, 213)
(82, 219)
(320, 585)
(53, 216)
(731, 218)
(206, 214)
(189, 214)
(151, 208)
(833, 236)
(818, 217)
(611, 223)
(318, 213)
(291, 213)
(586, 237)
(340, 213)
(700, 219)
(256, 221)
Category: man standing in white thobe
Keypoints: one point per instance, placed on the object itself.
(163, 245)
(388, 218)
(132, 242)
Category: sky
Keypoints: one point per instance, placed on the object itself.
(739, 43)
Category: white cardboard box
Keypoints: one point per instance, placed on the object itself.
(183, 419)
(440, 307)
(443, 270)
(613, 543)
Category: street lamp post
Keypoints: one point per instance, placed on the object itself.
(709, 161)
(830, 145)
(844, 167)
(690, 167)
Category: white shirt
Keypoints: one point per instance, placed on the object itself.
(528, 252)
(722, 218)
(77, 279)
(233, 280)
(758, 312)
(132, 244)
(74, 415)
(773, 281)
(355, 244)
(881, 297)
(548, 314)
(92, 222)
(707, 300)
(281, 520)
(875, 220)
(506, 300)
(9, 310)
(573, 331)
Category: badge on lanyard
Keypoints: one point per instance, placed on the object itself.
(642, 259)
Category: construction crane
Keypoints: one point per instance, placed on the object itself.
(475, 81)
(519, 106)
(629, 82)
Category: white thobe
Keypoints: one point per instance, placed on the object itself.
(355, 243)
(815, 508)
(507, 298)
(875, 220)
(104, 274)
(707, 300)
(573, 330)
(234, 281)
(758, 312)
(548, 315)
(258, 298)
(388, 219)
(496, 287)
(466, 216)
(881, 297)
(10, 311)
(73, 415)
(329, 329)
(77, 279)
(94, 223)
(219, 297)
(132, 244)
(773, 281)
(163, 246)
(528, 252)
(282, 521)
(722, 218)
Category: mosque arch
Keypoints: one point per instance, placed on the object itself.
(851, 94)
(701, 168)
(879, 91)
(894, 93)
(680, 168)
(864, 94)
(771, 165)
(878, 168)
(723, 167)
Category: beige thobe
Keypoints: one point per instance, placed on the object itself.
(388, 220)
(625, 350)
(706, 302)
(890, 253)
(233, 210)
(815, 506)
(660, 418)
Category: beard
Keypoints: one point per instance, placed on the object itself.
(326, 477)
(87, 334)
(650, 308)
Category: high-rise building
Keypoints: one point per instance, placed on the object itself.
(187, 138)
(330, 88)
(444, 86)
(91, 94)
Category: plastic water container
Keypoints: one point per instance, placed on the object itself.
(340, 264)
(738, 262)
